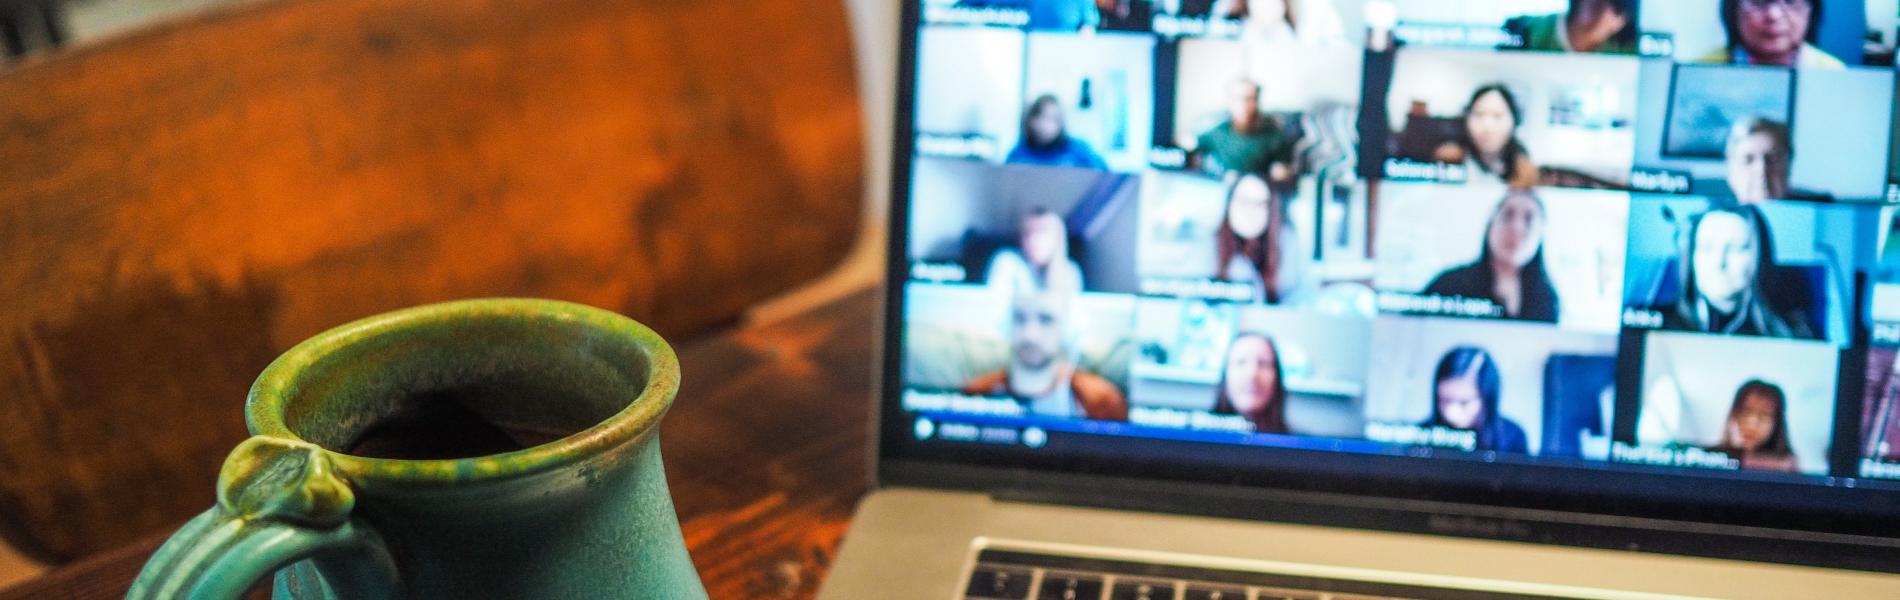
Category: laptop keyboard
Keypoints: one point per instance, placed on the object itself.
(1011, 575)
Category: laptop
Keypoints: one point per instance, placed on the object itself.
(1351, 299)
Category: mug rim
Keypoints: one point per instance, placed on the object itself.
(265, 406)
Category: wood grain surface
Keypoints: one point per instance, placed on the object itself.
(179, 206)
(766, 452)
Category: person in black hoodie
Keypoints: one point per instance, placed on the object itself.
(1509, 271)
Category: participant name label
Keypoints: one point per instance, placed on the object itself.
(1169, 418)
(1656, 45)
(1412, 170)
(1414, 435)
(938, 272)
(1452, 306)
(1886, 333)
(1673, 457)
(1659, 181)
(1874, 469)
(963, 15)
(1642, 319)
(1198, 288)
(916, 401)
(1436, 34)
(956, 146)
(1167, 157)
(1173, 26)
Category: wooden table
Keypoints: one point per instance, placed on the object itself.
(766, 451)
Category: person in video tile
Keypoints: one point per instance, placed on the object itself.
(1465, 398)
(1756, 432)
(1759, 159)
(1772, 33)
(1489, 141)
(1040, 260)
(1251, 244)
(1249, 141)
(1510, 270)
(1590, 26)
(1728, 253)
(1284, 21)
(1252, 384)
(1046, 142)
(1042, 373)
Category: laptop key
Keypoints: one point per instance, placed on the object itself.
(1142, 590)
(991, 582)
(1070, 586)
(1207, 592)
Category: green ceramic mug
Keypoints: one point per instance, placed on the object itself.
(479, 449)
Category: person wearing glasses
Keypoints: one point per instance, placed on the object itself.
(1772, 33)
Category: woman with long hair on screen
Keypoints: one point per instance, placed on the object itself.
(1729, 252)
(1510, 268)
(1488, 144)
(1045, 140)
(1778, 33)
(1252, 384)
(1465, 392)
(1254, 243)
(1756, 431)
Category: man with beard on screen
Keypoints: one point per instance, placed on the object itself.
(1043, 374)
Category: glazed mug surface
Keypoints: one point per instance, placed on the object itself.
(501, 448)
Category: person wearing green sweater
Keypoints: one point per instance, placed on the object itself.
(1590, 26)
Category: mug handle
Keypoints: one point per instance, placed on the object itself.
(279, 502)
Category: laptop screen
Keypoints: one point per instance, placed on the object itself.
(1598, 255)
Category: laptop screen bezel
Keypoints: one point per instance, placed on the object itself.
(1763, 523)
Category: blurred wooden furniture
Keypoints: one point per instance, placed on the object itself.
(179, 206)
(766, 453)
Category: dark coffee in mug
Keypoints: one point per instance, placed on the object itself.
(451, 424)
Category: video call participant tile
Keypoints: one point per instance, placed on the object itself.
(1523, 119)
(1733, 403)
(1038, 98)
(1253, 369)
(1013, 226)
(1490, 387)
(1545, 255)
(1779, 269)
(1026, 353)
(1243, 241)
(1752, 134)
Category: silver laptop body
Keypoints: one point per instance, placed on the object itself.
(1388, 298)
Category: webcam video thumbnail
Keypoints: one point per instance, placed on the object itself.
(1548, 255)
(1017, 227)
(1491, 387)
(1523, 119)
(1249, 369)
(1036, 98)
(1732, 403)
(1755, 134)
(1780, 269)
(1018, 353)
